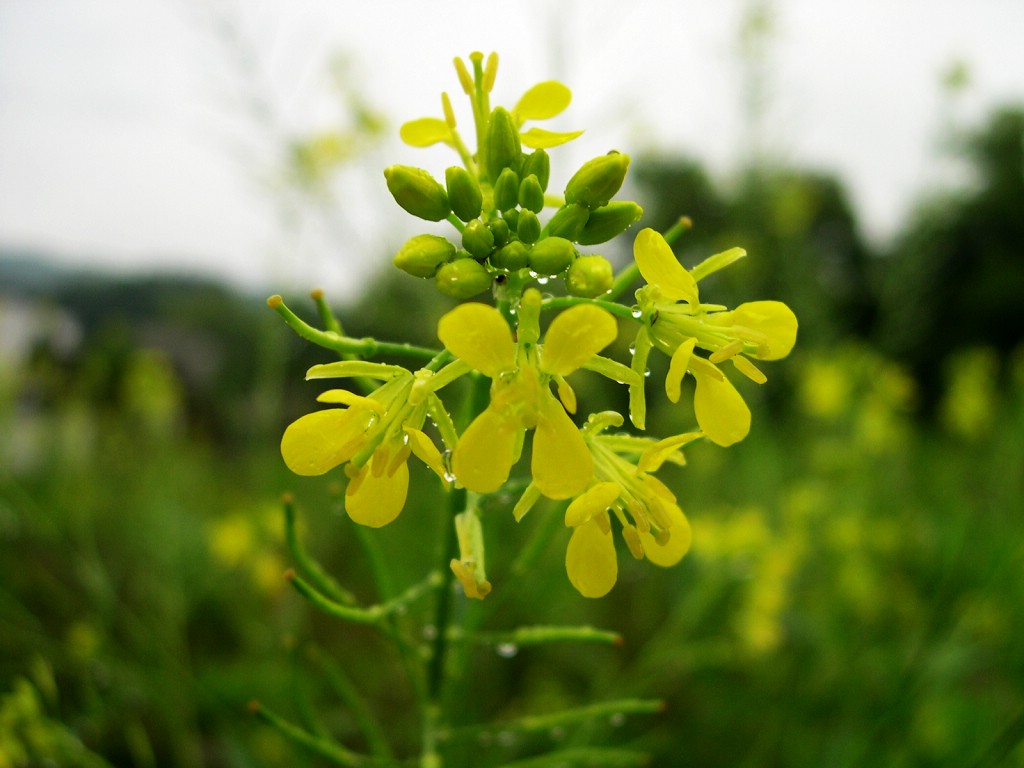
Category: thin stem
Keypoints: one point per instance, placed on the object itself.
(523, 636)
(560, 302)
(344, 345)
(375, 614)
(309, 567)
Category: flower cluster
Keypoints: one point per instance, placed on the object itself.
(607, 480)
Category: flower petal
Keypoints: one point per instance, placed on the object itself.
(485, 453)
(595, 500)
(637, 400)
(677, 369)
(425, 450)
(377, 500)
(590, 560)
(575, 336)
(772, 319)
(721, 412)
(319, 441)
(659, 267)
(561, 462)
(538, 138)
(665, 450)
(678, 544)
(543, 101)
(478, 334)
(425, 132)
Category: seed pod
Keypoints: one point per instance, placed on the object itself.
(423, 254)
(609, 221)
(478, 239)
(568, 221)
(552, 255)
(463, 278)
(531, 195)
(539, 164)
(501, 143)
(417, 192)
(597, 180)
(589, 276)
(513, 256)
(463, 193)
(528, 226)
(506, 190)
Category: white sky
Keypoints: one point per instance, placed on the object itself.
(127, 137)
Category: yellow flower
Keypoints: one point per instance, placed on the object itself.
(623, 484)
(521, 373)
(373, 436)
(675, 322)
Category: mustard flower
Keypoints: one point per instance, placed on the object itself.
(622, 486)
(521, 373)
(373, 436)
(675, 322)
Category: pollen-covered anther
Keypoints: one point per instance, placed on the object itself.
(748, 369)
(729, 350)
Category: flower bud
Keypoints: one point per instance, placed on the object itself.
(417, 192)
(513, 256)
(501, 145)
(423, 254)
(568, 221)
(551, 255)
(506, 190)
(499, 228)
(539, 164)
(478, 239)
(511, 217)
(597, 180)
(531, 195)
(609, 221)
(463, 193)
(528, 226)
(589, 276)
(463, 278)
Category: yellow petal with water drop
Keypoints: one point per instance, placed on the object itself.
(485, 453)
(575, 336)
(590, 560)
(659, 267)
(678, 544)
(377, 500)
(561, 462)
(319, 441)
(479, 335)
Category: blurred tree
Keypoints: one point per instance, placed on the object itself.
(955, 276)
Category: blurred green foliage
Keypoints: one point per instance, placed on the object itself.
(853, 596)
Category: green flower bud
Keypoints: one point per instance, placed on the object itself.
(531, 195)
(501, 145)
(589, 276)
(463, 193)
(608, 221)
(568, 221)
(478, 239)
(506, 190)
(539, 164)
(597, 180)
(551, 256)
(417, 192)
(528, 227)
(513, 256)
(463, 278)
(511, 218)
(499, 228)
(423, 254)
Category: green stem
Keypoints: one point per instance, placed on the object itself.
(523, 636)
(375, 614)
(309, 567)
(584, 756)
(561, 302)
(344, 345)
